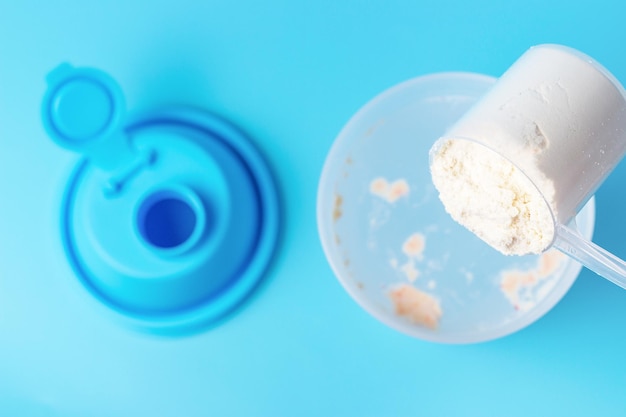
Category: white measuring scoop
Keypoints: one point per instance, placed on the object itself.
(521, 163)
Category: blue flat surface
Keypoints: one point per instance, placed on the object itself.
(290, 74)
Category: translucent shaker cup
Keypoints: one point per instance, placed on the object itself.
(386, 234)
(560, 118)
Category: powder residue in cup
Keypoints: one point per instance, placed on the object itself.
(389, 191)
(337, 210)
(413, 249)
(414, 245)
(519, 286)
(418, 306)
(491, 197)
(410, 271)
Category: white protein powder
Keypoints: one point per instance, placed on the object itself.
(560, 118)
(491, 197)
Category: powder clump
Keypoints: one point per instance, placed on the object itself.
(491, 197)
(418, 306)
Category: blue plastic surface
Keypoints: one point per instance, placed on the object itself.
(182, 238)
(290, 74)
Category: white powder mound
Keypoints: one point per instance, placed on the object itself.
(491, 197)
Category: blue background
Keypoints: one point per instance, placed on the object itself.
(290, 73)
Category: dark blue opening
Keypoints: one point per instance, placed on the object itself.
(167, 222)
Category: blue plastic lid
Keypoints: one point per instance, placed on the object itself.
(188, 227)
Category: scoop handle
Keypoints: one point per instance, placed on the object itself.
(573, 244)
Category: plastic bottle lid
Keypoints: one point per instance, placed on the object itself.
(189, 226)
